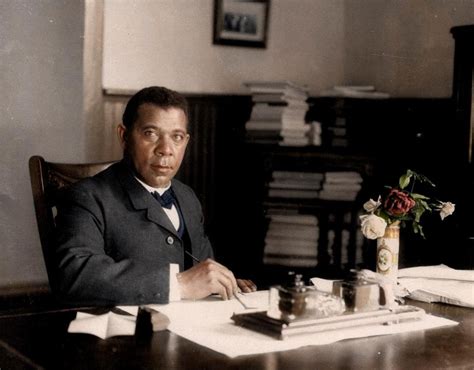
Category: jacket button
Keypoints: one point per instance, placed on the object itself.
(170, 240)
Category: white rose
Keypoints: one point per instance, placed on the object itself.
(371, 205)
(446, 209)
(373, 226)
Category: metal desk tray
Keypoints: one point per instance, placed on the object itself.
(281, 329)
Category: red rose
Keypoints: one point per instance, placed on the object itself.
(398, 203)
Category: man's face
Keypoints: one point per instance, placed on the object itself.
(156, 143)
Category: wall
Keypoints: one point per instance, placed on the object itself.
(41, 113)
(169, 42)
(403, 47)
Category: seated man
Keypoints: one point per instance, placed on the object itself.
(133, 234)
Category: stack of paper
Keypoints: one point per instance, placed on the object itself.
(278, 113)
(295, 184)
(438, 284)
(341, 185)
(291, 240)
(357, 91)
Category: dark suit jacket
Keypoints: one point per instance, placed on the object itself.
(114, 242)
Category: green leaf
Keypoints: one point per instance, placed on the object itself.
(418, 213)
(426, 205)
(415, 227)
(404, 180)
(418, 196)
(420, 207)
(404, 218)
(385, 216)
(418, 229)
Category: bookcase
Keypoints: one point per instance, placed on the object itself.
(384, 137)
(337, 220)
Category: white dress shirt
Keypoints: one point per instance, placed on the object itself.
(172, 214)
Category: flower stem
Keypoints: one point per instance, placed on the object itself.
(413, 184)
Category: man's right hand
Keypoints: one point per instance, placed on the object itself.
(206, 278)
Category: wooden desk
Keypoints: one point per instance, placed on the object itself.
(40, 340)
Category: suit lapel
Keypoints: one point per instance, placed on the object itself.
(141, 199)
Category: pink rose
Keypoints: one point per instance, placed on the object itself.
(398, 203)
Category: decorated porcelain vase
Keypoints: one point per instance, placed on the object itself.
(387, 252)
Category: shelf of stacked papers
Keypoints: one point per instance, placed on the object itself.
(356, 91)
(341, 185)
(279, 114)
(294, 184)
(291, 240)
(332, 185)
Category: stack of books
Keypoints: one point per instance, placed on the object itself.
(278, 113)
(315, 133)
(294, 184)
(291, 240)
(338, 133)
(355, 91)
(341, 185)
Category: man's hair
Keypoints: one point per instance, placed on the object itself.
(156, 95)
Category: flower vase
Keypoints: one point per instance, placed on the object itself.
(387, 252)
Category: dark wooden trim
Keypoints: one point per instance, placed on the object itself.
(462, 87)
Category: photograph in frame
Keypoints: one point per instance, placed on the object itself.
(241, 22)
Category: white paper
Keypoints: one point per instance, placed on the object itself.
(103, 326)
(132, 310)
(209, 324)
(438, 284)
(442, 272)
(323, 285)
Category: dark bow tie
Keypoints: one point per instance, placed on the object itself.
(166, 200)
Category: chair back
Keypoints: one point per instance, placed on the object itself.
(48, 180)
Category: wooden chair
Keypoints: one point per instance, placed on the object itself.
(48, 180)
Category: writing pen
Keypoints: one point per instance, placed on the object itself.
(191, 255)
(235, 294)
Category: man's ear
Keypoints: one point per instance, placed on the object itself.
(122, 135)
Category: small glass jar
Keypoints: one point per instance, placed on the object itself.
(359, 294)
(298, 301)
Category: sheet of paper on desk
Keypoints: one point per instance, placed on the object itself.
(442, 272)
(438, 284)
(103, 326)
(210, 310)
(208, 323)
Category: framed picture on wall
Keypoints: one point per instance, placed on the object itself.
(241, 22)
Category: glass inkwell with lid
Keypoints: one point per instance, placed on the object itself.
(295, 300)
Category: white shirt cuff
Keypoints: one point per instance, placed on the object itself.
(175, 294)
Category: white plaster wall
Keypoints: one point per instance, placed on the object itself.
(403, 47)
(40, 113)
(169, 43)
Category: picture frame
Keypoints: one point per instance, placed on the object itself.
(241, 22)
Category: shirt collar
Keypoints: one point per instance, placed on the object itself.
(151, 189)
